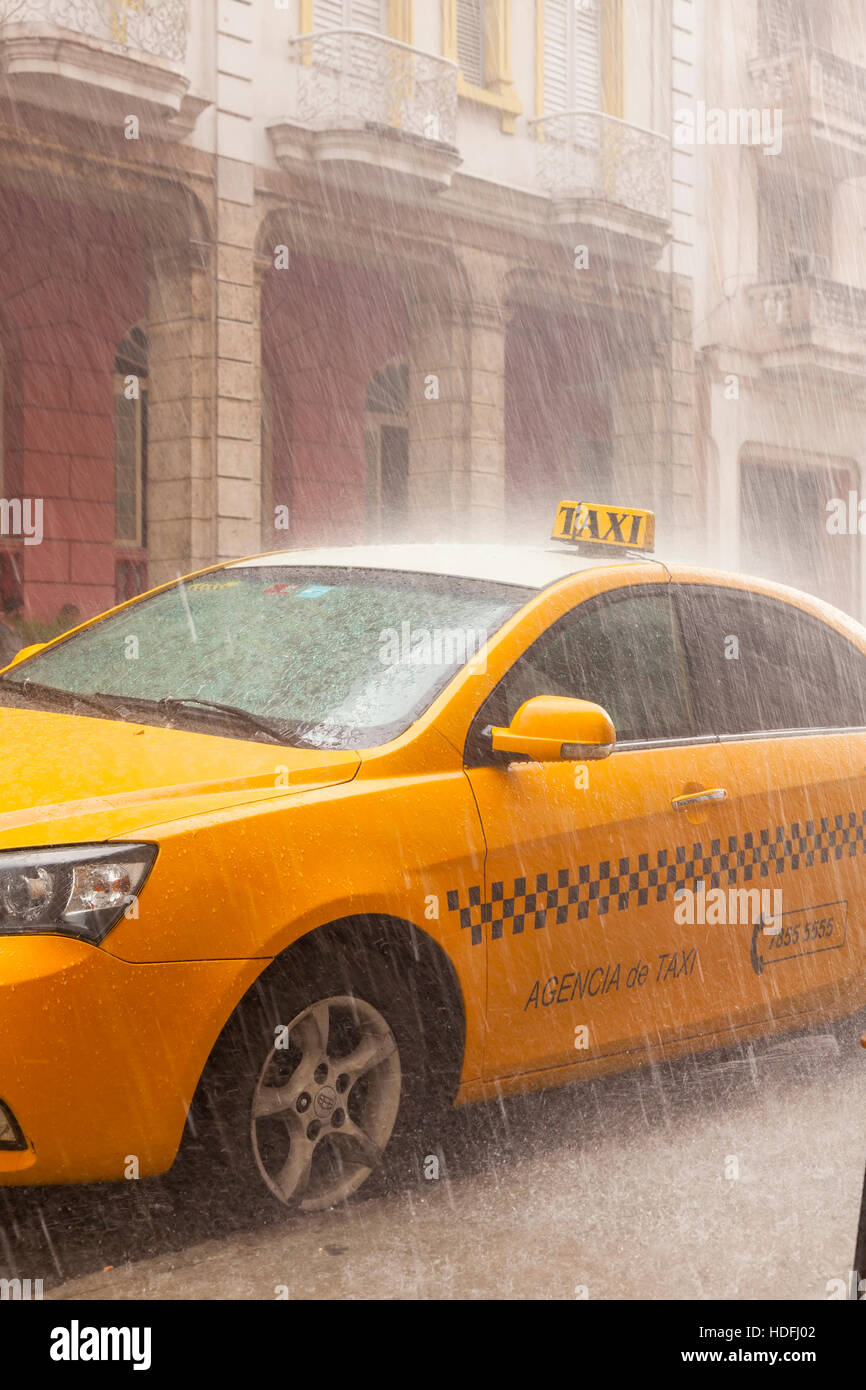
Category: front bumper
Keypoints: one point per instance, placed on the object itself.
(99, 1058)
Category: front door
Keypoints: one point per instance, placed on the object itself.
(587, 863)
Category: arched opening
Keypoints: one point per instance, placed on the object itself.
(386, 447)
(327, 325)
(803, 547)
(130, 465)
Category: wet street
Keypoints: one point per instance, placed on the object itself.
(731, 1176)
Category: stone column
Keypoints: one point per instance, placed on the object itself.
(641, 438)
(457, 411)
(269, 539)
(684, 432)
(725, 427)
(238, 408)
(654, 418)
(180, 482)
(238, 376)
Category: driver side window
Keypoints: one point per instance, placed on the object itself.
(622, 650)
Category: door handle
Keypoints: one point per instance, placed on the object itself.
(682, 803)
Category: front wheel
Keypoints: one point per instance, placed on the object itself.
(325, 1102)
(337, 1064)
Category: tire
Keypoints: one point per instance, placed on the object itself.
(331, 1069)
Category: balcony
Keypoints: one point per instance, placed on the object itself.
(371, 113)
(812, 325)
(608, 181)
(100, 59)
(822, 98)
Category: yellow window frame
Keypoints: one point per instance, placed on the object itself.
(498, 91)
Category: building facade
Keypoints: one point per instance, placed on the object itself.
(780, 289)
(301, 271)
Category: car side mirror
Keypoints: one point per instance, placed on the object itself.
(26, 652)
(552, 728)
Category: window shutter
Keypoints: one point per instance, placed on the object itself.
(349, 14)
(329, 14)
(366, 14)
(470, 40)
(586, 56)
(572, 55)
(556, 90)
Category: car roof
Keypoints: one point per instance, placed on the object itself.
(533, 567)
(530, 567)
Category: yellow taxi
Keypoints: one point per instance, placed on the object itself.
(300, 848)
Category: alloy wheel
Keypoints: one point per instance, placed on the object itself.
(325, 1102)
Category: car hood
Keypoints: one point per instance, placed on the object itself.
(66, 777)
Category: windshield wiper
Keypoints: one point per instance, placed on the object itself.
(170, 702)
(29, 687)
(244, 715)
(106, 702)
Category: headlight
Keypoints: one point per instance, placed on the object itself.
(77, 890)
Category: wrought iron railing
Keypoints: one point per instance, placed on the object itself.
(356, 79)
(589, 154)
(812, 75)
(157, 27)
(798, 308)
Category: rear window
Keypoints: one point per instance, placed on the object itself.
(762, 665)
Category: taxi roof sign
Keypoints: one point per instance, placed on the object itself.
(601, 524)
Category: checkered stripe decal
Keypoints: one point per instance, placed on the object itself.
(616, 885)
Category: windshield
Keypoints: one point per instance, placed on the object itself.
(331, 658)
